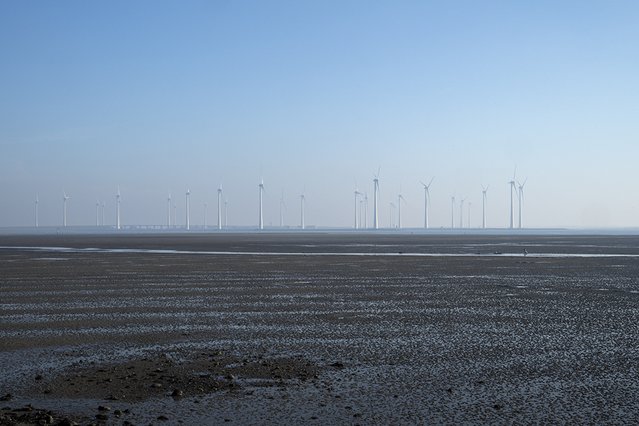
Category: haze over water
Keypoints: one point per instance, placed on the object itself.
(164, 97)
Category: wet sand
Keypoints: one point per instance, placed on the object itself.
(177, 337)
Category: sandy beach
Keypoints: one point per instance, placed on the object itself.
(318, 328)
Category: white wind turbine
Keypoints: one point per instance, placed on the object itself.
(102, 212)
(97, 213)
(302, 202)
(365, 211)
(521, 198)
(400, 198)
(461, 213)
(357, 194)
(226, 213)
(65, 198)
(188, 209)
(219, 207)
(282, 207)
(426, 201)
(375, 200)
(483, 206)
(391, 222)
(512, 201)
(261, 220)
(452, 212)
(168, 211)
(36, 211)
(117, 209)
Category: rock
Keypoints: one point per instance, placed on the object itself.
(104, 408)
(67, 422)
(337, 365)
(117, 413)
(156, 385)
(162, 418)
(39, 377)
(101, 416)
(498, 406)
(177, 393)
(6, 397)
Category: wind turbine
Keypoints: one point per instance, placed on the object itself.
(282, 207)
(426, 201)
(302, 201)
(97, 213)
(452, 212)
(483, 206)
(261, 188)
(102, 212)
(36, 210)
(400, 198)
(168, 211)
(375, 199)
(226, 213)
(512, 202)
(521, 197)
(117, 209)
(461, 213)
(357, 194)
(392, 209)
(65, 198)
(188, 208)
(365, 211)
(219, 207)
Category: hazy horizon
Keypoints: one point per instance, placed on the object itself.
(159, 97)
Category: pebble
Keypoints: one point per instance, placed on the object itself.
(104, 408)
(156, 385)
(102, 417)
(177, 393)
(162, 418)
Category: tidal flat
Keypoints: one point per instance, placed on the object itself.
(319, 328)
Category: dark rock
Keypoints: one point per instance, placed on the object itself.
(162, 418)
(498, 406)
(104, 408)
(101, 417)
(6, 397)
(156, 385)
(337, 365)
(39, 377)
(177, 393)
(117, 413)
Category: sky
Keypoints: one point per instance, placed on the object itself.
(157, 97)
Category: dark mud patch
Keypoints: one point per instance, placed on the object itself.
(175, 374)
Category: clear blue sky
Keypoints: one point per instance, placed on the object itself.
(158, 96)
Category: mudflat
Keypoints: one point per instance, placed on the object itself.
(323, 328)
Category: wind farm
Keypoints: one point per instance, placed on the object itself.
(322, 213)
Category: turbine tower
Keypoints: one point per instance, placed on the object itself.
(426, 201)
(452, 212)
(357, 194)
(188, 208)
(512, 201)
(261, 220)
(36, 211)
(219, 207)
(400, 198)
(102, 212)
(65, 198)
(483, 206)
(365, 211)
(226, 213)
(168, 211)
(117, 209)
(461, 213)
(375, 200)
(302, 200)
(282, 207)
(97, 213)
(392, 209)
(521, 198)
